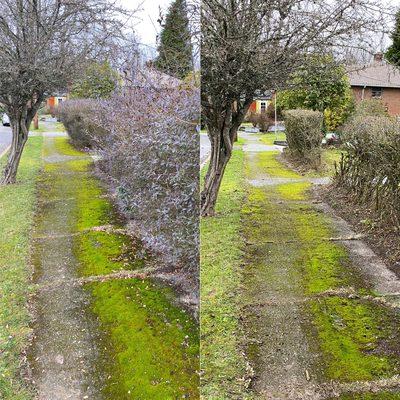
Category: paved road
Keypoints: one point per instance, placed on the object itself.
(205, 147)
(5, 137)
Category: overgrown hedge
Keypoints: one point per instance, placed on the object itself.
(152, 156)
(304, 134)
(149, 149)
(370, 166)
(372, 108)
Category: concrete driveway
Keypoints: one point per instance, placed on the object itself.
(5, 138)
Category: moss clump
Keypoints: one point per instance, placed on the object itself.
(63, 146)
(103, 253)
(350, 332)
(154, 345)
(295, 191)
(371, 396)
(267, 163)
(325, 263)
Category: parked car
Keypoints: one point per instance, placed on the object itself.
(331, 139)
(279, 128)
(6, 120)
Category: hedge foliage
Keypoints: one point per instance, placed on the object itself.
(78, 119)
(370, 166)
(149, 153)
(304, 134)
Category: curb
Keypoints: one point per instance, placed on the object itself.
(205, 161)
(5, 151)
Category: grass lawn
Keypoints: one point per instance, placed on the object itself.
(222, 361)
(58, 127)
(330, 156)
(17, 203)
(269, 138)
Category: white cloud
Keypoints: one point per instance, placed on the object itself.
(147, 26)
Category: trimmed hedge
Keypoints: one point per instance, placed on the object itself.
(77, 117)
(304, 134)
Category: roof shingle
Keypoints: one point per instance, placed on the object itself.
(375, 75)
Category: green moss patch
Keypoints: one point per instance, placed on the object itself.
(325, 263)
(352, 333)
(63, 146)
(153, 345)
(268, 163)
(93, 211)
(294, 191)
(103, 253)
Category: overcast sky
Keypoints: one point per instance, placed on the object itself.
(146, 26)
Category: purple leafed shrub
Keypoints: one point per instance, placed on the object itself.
(151, 156)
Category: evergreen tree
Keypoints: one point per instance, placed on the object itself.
(175, 48)
(393, 52)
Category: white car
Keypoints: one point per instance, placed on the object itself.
(6, 120)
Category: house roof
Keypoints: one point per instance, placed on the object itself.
(374, 75)
(266, 95)
(149, 76)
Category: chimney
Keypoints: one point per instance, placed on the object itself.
(378, 58)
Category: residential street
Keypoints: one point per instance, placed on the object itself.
(205, 148)
(5, 138)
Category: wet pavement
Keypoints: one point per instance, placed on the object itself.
(5, 138)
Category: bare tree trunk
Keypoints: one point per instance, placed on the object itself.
(36, 121)
(19, 138)
(218, 161)
(222, 135)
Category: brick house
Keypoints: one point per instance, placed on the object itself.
(377, 80)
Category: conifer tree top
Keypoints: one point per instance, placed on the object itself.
(175, 48)
(393, 52)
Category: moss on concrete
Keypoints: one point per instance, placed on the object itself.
(267, 163)
(357, 340)
(151, 347)
(293, 191)
(370, 396)
(351, 332)
(103, 253)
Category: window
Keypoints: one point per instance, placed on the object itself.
(376, 93)
(263, 106)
